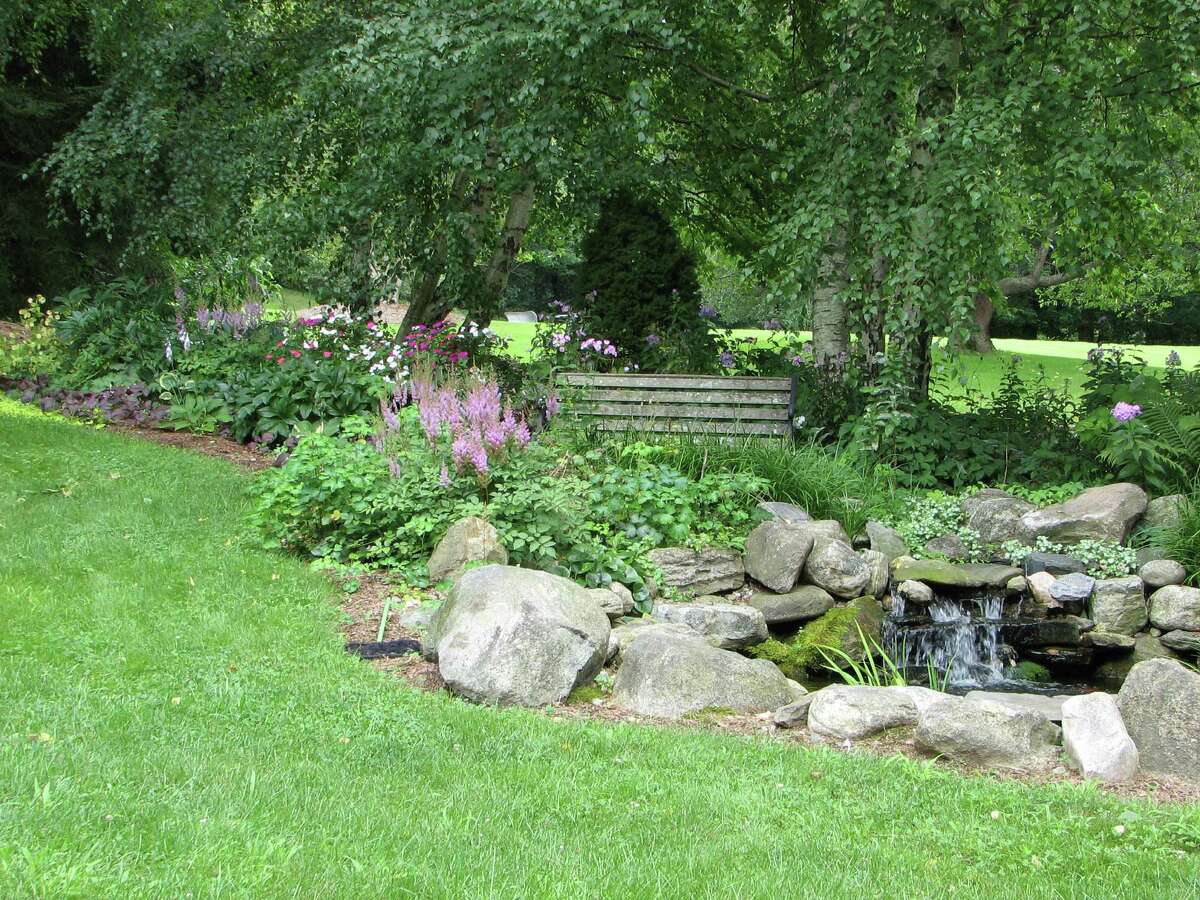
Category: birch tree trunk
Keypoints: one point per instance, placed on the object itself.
(830, 320)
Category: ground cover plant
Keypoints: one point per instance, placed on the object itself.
(200, 699)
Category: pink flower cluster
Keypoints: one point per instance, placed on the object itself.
(602, 346)
(439, 340)
(338, 333)
(476, 422)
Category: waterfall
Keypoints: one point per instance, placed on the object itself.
(960, 637)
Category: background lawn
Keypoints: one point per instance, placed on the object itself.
(179, 718)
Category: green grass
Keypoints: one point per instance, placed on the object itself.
(127, 580)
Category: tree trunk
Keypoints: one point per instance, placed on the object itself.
(982, 336)
(516, 222)
(830, 321)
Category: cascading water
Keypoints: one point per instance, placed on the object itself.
(959, 637)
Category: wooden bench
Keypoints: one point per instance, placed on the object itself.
(736, 405)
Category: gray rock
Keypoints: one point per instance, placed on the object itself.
(669, 675)
(518, 636)
(700, 571)
(729, 626)
(1163, 512)
(1109, 641)
(1160, 703)
(1175, 607)
(1072, 591)
(835, 567)
(775, 554)
(1145, 646)
(1184, 641)
(787, 512)
(1095, 738)
(830, 529)
(1055, 563)
(631, 629)
(995, 514)
(1099, 513)
(625, 594)
(940, 573)
(418, 617)
(880, 572)
(886, 540)
(850, 712)
(1161, 573)
(950, 546)
(1148, 554)
(469, 540)
(1039, 584)
(1058, 631)
(1016, 585)
(981, 733)
(1119, 605)
(1049, 706)
(610, 603)
(806, 601)
(915, 592)
(795, 714)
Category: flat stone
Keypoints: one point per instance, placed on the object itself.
(787, 512)
(1048, 706)
(729, 626)
(707, 571)
(806, 601)
(1105, 513)
(1183, 641)
(1072, 590)
(1055, 563)
(1109, 641)
(945, 574)
(795, 714)
(1096, 740)
(1064, 631)
(1063, 660)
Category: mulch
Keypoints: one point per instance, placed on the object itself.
(206, 444)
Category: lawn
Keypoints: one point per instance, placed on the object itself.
(180, 719)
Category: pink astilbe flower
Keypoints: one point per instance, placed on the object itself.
(553, 404)
(444, 477)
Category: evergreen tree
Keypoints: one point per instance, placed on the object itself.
(638, 284)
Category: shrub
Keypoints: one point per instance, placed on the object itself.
(637, 282)
(1101, 559)
(31, 349)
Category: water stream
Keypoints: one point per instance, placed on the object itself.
(957, 636)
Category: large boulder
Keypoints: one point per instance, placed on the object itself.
(775, 554)
(939, 573)
(1119, 605)
(709, 571)
(1175, 607)
(1160, 703)
(1104, 513)
(981, 733)
(729, 626)
(1159, 573)
(670, 675)
(835, 567)
(880, 568)
(1162, 512)
(785, 512)
(995, 514)
(469, 540)
(804, 602)
(886, 540)
(850, 712)
(1095, 738)
(518, 636)
(629, 630)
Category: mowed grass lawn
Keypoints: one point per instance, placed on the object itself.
(178, 718)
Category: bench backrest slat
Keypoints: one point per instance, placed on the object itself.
(720, 404)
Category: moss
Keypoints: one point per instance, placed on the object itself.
(585, 693)
(1027, 670)
(802, 652)
(710, 714)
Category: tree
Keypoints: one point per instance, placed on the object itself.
(636, 279)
